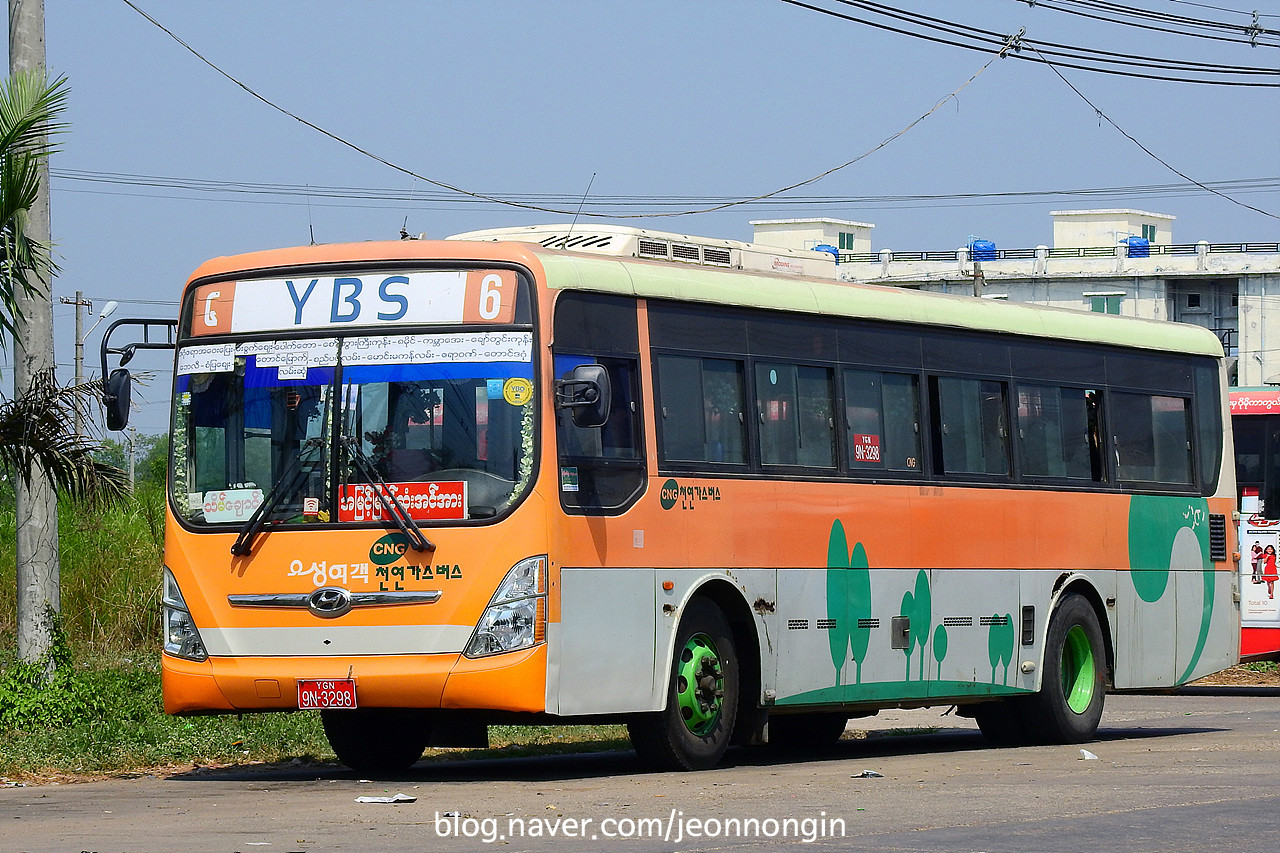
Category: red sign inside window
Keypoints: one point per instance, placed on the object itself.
(866, 448)
(424, 501)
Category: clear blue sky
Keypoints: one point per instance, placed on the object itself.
(653, 97)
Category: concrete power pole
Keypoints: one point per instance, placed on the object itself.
(39, 589)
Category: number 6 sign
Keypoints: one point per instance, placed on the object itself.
(491, 296)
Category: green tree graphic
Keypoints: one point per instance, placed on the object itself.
(848, 601)
(837, 584)
(1000, 645)
(922, 619)
(939, 647)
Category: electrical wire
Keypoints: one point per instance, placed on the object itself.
(1002, 51)
(1177, 24)
(396, 196)
(1151, 153)
(1083, 59)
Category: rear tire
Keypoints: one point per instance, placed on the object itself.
(693, 731)
(1002, 722)
(806, 732)
(377, 740)
(1068, 707)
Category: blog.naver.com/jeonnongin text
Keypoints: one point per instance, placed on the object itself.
(674, 827)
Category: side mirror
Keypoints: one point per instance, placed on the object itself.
(116, 399)
(587, 394)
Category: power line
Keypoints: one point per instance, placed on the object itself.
(1131, 16)
(1079, 58)
(1151, 153)
(260, 191)
(1002, 51)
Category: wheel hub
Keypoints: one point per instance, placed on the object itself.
(700, 684)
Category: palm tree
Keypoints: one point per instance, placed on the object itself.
(37, 426)
(29, 107)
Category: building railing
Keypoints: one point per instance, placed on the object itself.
(1229, 337)
(1075, 252)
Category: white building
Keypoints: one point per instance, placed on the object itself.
(1230, 288)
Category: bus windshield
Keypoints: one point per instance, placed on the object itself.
(316, 428)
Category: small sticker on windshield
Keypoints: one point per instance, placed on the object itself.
(517, 391)
(568, 479)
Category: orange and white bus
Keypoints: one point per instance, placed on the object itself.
(1255, 426)
(427, 486)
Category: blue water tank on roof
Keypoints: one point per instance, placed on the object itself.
(982, 250)
(1139, 247)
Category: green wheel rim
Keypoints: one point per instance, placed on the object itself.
(1078, 670)
(699, 684)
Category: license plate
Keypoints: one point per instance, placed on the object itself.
(326, 693)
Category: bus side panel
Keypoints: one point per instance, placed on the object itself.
(601, 657)
(612, 651)
(975, 632)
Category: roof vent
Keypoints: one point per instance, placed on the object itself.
(651, 249)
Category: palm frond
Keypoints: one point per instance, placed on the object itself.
(38, 429)
(29, 107)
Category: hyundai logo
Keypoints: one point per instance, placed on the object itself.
(329, 602)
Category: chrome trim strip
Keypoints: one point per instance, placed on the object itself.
(358, 599)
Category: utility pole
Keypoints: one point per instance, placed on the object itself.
(81, 303)
(133, 437)
(36, 548)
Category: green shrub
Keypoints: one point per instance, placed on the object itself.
(47, 693)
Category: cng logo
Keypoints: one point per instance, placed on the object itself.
(670, 494)
(688, 496)
(388, 549)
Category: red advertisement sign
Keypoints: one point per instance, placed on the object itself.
(1255, 401)
(866, 448)
(424, 501)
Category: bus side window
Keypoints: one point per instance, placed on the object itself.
(601, 468)
(1055, 435)
(882, 421)
(971, 432)
(700, 412)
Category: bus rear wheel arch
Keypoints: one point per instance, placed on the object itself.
(694, 729)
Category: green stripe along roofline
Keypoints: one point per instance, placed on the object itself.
(658, 280)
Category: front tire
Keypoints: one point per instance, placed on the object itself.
(377, 740)
(693, 731)
(1068, 707)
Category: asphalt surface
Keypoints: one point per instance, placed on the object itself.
(1194, 771)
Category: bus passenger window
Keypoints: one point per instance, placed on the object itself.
(1054, 432)
(1152, 438)
(882, 421)
(797, 425)
(971, 429)
(700, 413)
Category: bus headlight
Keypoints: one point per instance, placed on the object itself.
(516, 617)
(181, 639)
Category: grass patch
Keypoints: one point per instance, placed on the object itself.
(103, 714)
(1261, 666)
(128, 731)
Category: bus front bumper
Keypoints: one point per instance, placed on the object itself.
(510, 682)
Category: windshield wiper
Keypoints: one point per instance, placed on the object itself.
(298, 469)
(395, 510)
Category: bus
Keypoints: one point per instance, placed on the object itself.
(1255, 426)
(542, 476)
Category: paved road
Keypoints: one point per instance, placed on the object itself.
(1198, 771)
